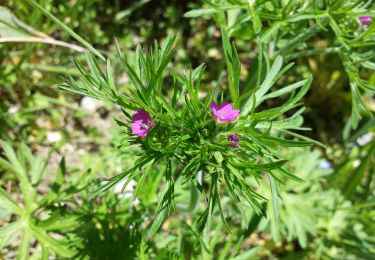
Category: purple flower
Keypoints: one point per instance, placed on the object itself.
(234, 139)
(224, 113)
(142, 123)
(365, 19)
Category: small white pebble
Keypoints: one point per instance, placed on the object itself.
(325, 164)
(213, 53)
(41, 122)
(13, 109)
(137, 40)
(202, 95)
(200, 177)
(90, 104)
(135, 202)
(53, 137)
(364, 139)
(36, 75)
(67, 148)
(356, 163)
(128, 191)
(123, 79)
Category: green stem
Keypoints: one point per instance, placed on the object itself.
(313, 52)
(65, 28)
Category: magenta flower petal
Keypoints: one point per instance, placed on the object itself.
(225, 113)
(141, 114)
(138, 129)
(141, 123)
(226, 106)
(365, 19)
(214, 107)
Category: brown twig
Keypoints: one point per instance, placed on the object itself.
(43, 40)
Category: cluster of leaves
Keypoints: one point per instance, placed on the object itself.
(186, 135)
(103, 228)
(36, 215)
(55, 216)
(329, 213)
(291, 29)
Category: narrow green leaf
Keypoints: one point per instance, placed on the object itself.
(359, 172)
(111, 81)
(259, 167)
(58, 246)
(267, 83)
(45, 253)
(233, 65)
(284, 90)
(8, 232)
(216, 195)
(194, 195)
(20, 172)
(165, 205)
(257, 24)
(275, 196)
(7, 203)
(199, 12)
(23, 252)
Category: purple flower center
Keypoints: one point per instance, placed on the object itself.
(146, 125)
(234, 139)
(223, 115)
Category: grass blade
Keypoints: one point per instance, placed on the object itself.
(65, 28)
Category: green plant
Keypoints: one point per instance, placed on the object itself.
(181, 131)
(300, 206)
(204, 166)
(299, 29)
(38, 215)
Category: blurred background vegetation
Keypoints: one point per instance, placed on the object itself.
(329, 215)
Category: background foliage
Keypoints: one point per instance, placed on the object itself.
(59, 148)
